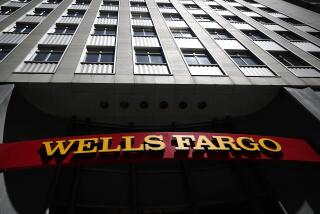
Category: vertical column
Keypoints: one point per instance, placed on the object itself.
(71, 57)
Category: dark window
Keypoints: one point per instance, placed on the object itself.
(83, 2)
(220, 34)
(182, 33)
(216, 7)
(233, 19)
(289, 59)
(172, 17)
(268, 10)
(65, 29)
(244, 58)
(292, 21)
(255, 35)
(41, 12)
(144, 32)
(75, 13)
(99, 56)
(105, 31)
(47, 55)
(316, 34)
(109, 15)
(316, 54)
(7, 10)
(244, 9)
(192, 6)
(198, 58)
(149, 57)
(290, 36)
(203, 18)
(138, 4)
(110, 3)
(4, 50)
(54, 1)
(262, 20)
(23, 28)
(165, 6)
(141, 16)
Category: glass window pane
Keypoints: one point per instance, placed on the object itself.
(203, 60)
(250, 61)
(70, 31)
(142, 58)
(40, 56)
(92, 57)
(58, 30)
(99, 31)
(138, 33)
(191, 60)
(156, 59)
(106, 57)
(27, 30)
(54, 57)
(110, 32)
(238, 60)
(150, 33)
(3, 54)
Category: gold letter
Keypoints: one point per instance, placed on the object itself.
(128, 144)
(58, 147)
(263, 145)
(203, 142)
(106, 143)
(223, 140)
(85, 145)
(157, 143)
(255, 146)
(183, 141)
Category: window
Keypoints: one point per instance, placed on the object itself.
(65, 29)
(41, 12)
(4, 50)
(216, 8)
(165, 6)
(104, 30)
(233, 19)
(22, 1)
(289, 59)
(109, 15)
(182, 33)
(75, 13)
(23, 28)
(292, 21)
(262, 20)
(144, 32)
(54, 1)
(149, 57)
(48, 54)
(316, 54)
(220, 34)
(203, 18)
(198, 58)
(83, 2)
(244, 9)
(268, 10)
(191, 6)
(110, 3)
(99, 56)
(316, 34)
(255, 35)
(244, 58)
(140, 16)
(290, 36)
(172, 17)
(7, 10)
(138, 4)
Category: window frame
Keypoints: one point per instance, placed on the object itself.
(196, 55)
(65, 29)
(105, 30)
(144, 30)
(149, 53)
(242, 56)
(99, 53)
(49, 51)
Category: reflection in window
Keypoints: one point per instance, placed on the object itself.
(244, 59)
(48, 55)
(99, 56)
(4, 50)
(198, 58)
(144, 32)
(104, 31)
(149, 57)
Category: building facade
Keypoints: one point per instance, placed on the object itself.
(80, 67)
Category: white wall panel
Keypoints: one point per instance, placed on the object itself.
(102, 40)
(242, 26)
(197, 12)
(224, 13)
(275, 27)
(151, 69)
(40, 68)
(269, 46)
(69, 19)
(141, 22)
(36, 19)
(49, 6)
(168, 10)
(258, 5)
(235, 4)
(187, 2)
(212, 3)
(79, 7)
(137, 0)
(12, 38)
(138, 9)
(230, 44)
(53, 39)
(205, 70)
(256, 71)
(305, 28)
(210, 25)
(145, 41)
(305, 72)
(188, 43)
(110, 8)
(177, 24)
(14, 4)
(163, 1)
(251, 14)
(105, 21)
(307, 46)
(278, 15)
(94, 69)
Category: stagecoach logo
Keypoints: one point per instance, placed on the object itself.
(107, 148)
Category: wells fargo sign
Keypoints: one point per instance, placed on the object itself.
(152, 145)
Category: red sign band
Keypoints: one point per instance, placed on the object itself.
(152, 146)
